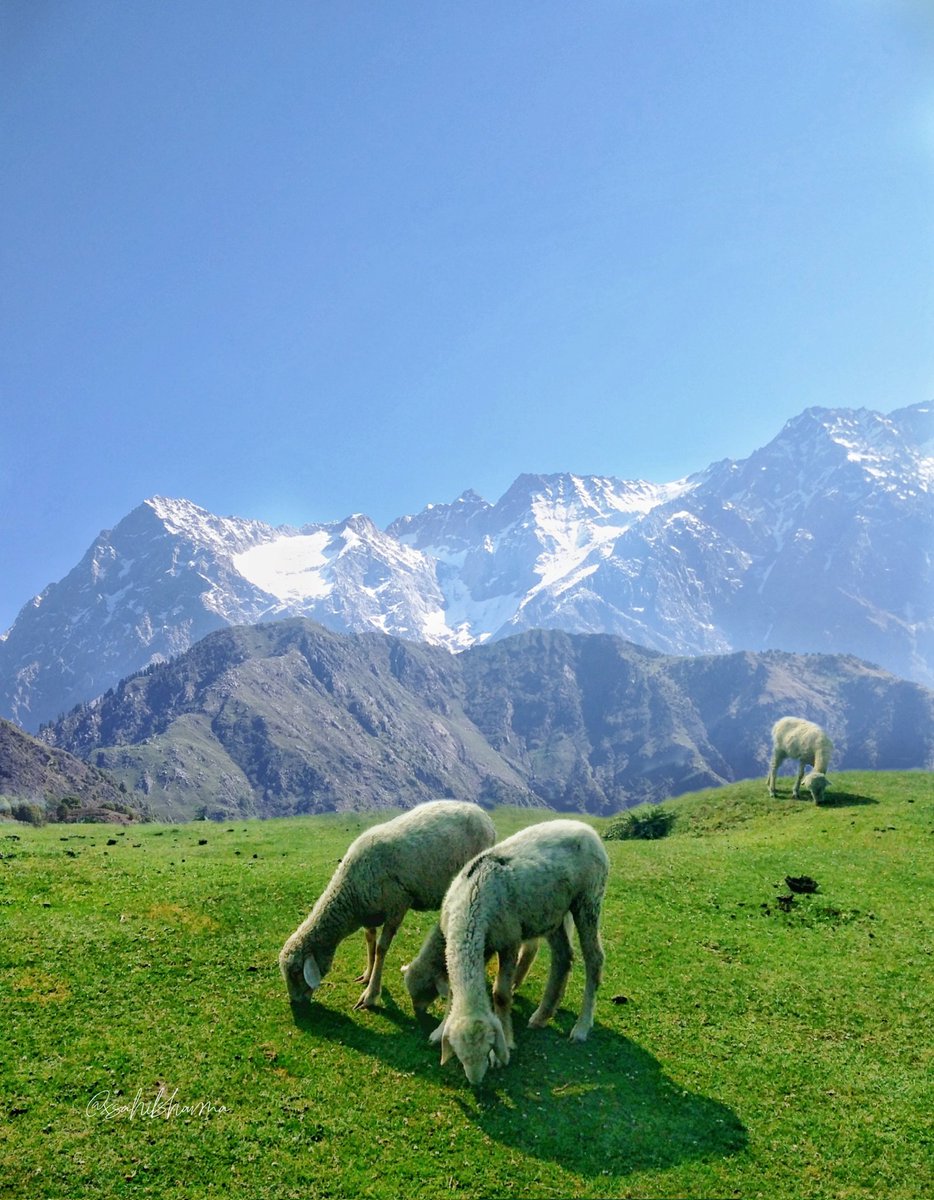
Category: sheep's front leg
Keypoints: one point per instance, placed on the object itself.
(370, 935)
(502, 992)
(374, 988)
(796, 790)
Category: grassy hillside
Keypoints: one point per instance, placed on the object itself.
(148, 1047)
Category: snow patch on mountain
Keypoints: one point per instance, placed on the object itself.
(289, 568)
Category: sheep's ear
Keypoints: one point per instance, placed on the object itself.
(311, 973)
(446, 1050)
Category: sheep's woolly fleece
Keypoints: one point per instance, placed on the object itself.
(522, 888)
(404, 863)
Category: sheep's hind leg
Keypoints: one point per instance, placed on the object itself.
(562, 956)
(374, 988)
(587, 919)
(370, 935)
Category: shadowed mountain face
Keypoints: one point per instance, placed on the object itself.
(34, 773)
(821, 541)
(290, 717)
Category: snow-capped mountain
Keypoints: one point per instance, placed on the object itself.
(820, 541)
(546, 535)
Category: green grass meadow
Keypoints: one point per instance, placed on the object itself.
(147, 1047)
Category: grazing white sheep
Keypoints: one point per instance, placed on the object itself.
(793, 737)
(525, 887)
(404, 863)
(426, 976)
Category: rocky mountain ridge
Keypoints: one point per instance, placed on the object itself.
(288, 717)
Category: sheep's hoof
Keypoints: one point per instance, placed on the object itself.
(539, 1020)
(364, 978)
(578, 1034)
(366, 1001)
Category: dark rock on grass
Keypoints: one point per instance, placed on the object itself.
(801, 883)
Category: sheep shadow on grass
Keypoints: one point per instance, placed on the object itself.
(606, 1106)
(845, 799)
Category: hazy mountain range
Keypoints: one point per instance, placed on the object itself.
(820, 541)
(289, 717)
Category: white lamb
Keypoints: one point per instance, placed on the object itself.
(404, 863)
(525, 887)
(793, 737)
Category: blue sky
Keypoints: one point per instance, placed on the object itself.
(296, 260)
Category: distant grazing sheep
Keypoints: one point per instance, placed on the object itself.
(525, 887)
(793, 737)
(404, 863)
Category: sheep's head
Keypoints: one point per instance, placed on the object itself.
(816, 782)
(426, 975)
(302, 970)
(478, 1042)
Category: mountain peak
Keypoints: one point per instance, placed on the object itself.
(168, 508)
(358, 523)
(471, 498)
(184, 519)
(871, 449)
